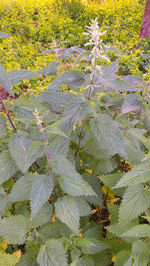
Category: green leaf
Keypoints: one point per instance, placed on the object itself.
(108, 134)
(25, 108)
(139, 174)
(3, 204)
(30, 256)
(52, 253)
(14, 229)
(8, 260)
(7, 167)
(82, 56)
(105, 166)
(138, 231)
(144, 140)
(50, 230)
(83, 262)
(22, 188)
(74, 79)
(2, 125)
(59, 146)
(111, 69)
(90, 245)
(119, 230)
(70, 181)
(51, 129)
(25, 151)
(140, 252)
(43, 216)
(131, 103)
(27, 259)
(135, 201)
(16, 76)
(76, 111)
(111, 179)
(4, 80)
(42, 188)
(69, 210)
(122, 257)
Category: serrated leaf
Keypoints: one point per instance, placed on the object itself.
(30, 256)
(138, 231)
(7, 259)
(16, 76)
(42, 188)
(3, 204)
(140, 252)
(144, 140)
(135, 201)
(74, 79)
(82, 56)
(2, 125)
(50, 230)
(43, 216)
(90, 245)
(105, 166)
(69, 210)
(70, 181)
(57, 99)
(59, 146)
(22, 188)
(139, 174)
(111, 69)
(76, 111)
(96, 186)
(122, 257)
(131, 103)
(134, 80)
(14, 229)
(83, 262)
(25, 151)
(4, 80)
(108, 134)
(26, 260)
(52, 253)
(118, 229)
(7, 167)
(51, 129)
(25, 108)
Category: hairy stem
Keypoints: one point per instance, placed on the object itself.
(39, 124)
(4, 108)
(89, 97)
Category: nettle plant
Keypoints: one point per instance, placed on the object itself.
(75, 165)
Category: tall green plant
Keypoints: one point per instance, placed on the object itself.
(65, 153)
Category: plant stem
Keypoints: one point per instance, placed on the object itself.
(4, 108)
(89, 97)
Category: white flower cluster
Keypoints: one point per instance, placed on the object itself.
(98, 51)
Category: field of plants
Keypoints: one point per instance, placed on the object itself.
(74, 133)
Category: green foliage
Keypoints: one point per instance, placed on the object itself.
(74, 163)
(52, 253)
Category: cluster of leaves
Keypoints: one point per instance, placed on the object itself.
(53, 208)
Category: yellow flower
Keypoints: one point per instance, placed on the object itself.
(4, 244)
(17, 254)
(80, 234)
(113, 258)
(54, 217)
(90, 171)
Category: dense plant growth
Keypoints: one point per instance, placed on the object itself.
(75, 164)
